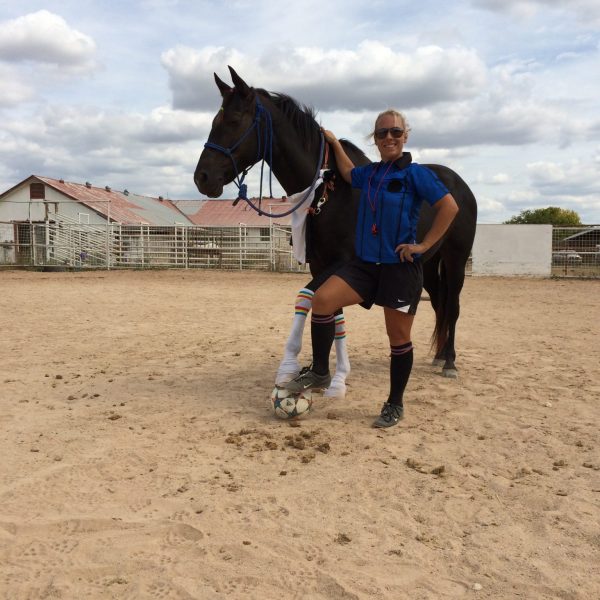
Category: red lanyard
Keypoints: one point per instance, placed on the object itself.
(373, 203)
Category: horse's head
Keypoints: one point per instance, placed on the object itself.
(231, 145)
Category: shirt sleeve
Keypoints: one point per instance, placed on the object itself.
(359, 175)
(428, 185)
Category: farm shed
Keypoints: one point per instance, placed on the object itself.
(46, 221)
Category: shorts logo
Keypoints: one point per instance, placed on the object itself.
(404, 305)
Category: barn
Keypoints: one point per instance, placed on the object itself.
(46, 221)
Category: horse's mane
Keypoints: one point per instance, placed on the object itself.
(303, 119)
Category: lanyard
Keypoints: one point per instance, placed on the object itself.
(373, 202)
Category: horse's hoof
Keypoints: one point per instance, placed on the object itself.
(335, 391)
(450, 373)
(438, 362)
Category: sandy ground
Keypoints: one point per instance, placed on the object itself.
(140, 457)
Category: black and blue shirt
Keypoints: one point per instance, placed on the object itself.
(390, 205)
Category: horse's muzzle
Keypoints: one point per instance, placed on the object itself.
(208, 185)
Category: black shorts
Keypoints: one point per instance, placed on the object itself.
(397, 285)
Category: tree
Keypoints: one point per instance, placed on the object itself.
(552, 215)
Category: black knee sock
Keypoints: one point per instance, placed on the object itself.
(400, 368)
(322, 329)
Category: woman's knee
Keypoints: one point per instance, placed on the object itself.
(334, 294)
(398, 339)
(398, 327)
(323, 303)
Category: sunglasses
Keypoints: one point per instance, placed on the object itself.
(396, 132)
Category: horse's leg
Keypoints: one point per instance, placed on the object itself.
(289, 366)
(454, 281)
(432, 283)
(337, 388)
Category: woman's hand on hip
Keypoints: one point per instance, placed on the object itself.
(406, 251)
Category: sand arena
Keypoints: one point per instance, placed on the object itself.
(141, 459)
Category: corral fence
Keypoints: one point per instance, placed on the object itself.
(115, 246)
(575, 251)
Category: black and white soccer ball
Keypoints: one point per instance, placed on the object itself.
(290, 405)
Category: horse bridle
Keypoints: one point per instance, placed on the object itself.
(267, 156)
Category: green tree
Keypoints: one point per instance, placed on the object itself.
(552, 215)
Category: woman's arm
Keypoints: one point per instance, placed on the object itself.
(344, 164)
(445, 211)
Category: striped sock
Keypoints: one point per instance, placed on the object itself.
(340, 327)
(303, 301)
(322, 329)
(400, 367)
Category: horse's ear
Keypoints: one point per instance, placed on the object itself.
(240, 85)
(223, 87)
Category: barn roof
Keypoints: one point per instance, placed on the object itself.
(123, 207)
(222, 213)
(132, 209)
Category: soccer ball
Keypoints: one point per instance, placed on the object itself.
(290, 405)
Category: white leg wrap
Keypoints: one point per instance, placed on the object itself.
(289, 366)
(337, 389)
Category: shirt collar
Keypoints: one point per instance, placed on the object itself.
(403, 161)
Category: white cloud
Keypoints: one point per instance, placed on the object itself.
(14, 90)
(486, 93)
(546, 173)
(366, 78)
(500, 178)
(490, 210)
(450, 98)
(585, 10)
(149, 154)
(44, 37)
(573, 177)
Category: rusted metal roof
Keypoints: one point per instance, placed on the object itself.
(132, 209)
(222, 213)
(123, 207)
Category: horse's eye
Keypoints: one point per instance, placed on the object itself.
(232, 118)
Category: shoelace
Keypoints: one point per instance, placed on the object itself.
(389, 412)
(303, 373)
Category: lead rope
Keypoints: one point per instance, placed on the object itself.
(308, 193)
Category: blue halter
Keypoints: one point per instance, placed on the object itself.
(264, 152)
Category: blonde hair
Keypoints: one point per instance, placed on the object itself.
(392, 113)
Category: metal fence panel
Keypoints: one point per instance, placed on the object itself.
(78, 245)
(69, 244)
(576, 251)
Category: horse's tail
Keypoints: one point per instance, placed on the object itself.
(442, 318)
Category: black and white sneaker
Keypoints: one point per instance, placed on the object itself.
(390, 415)
(308, 380)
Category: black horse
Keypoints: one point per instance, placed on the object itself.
(295, 156)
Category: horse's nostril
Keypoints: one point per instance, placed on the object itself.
(200, 179)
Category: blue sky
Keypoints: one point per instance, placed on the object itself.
(122, 94)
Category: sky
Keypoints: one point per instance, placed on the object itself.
(505, 92)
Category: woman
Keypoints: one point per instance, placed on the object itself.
(387, 270)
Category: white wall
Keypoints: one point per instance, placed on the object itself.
(16, 206)
(513, 250)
